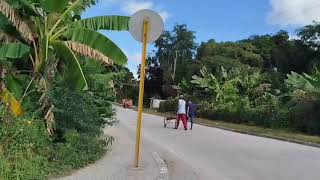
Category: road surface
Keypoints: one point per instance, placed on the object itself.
(216, 154)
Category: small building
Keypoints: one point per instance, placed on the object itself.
(155, 103)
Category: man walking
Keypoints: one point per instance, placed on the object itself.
(191, 111)
(181, 112)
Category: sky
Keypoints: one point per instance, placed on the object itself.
(223, 20)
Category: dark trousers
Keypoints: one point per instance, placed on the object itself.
(191, 118)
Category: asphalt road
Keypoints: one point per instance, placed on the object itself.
(216, 154)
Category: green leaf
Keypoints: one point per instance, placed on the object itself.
(8, 28)
(16, 20)
(117, 23)
(53, 6)
(3, 21)
(74, 70)
(308, 83)
(13, 51)
(14, 86)
(77, 7)
(29, 7)
(98, 42)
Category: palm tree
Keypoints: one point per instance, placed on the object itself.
(49, 33)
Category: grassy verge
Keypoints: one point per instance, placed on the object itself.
(28, 153)
(284, 135)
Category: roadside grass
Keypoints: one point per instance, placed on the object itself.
(280, 134)
(28, 153)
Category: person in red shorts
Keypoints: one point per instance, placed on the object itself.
(181, 113)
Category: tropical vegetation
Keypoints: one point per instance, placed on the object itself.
(57, 85)
(265, 80)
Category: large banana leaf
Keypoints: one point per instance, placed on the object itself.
(74, 72)
(85, 50)
(10, 100)
(14, 17)
(117, 23)
(53, 5)
(13, 51)
(77, 7)
(310, 84)
(98, 42)
(7, 28)
(298, 81)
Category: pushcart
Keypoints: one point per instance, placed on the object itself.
(167, 120)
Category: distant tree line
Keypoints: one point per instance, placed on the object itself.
(268, 80)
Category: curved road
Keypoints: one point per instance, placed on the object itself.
(223, 155)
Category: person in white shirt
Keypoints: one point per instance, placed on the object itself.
(182, 113)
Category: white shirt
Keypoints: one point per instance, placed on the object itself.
(182, 107)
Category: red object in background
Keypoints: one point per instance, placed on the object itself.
(127, 103)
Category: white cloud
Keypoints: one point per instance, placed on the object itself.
(132, 6)
(165, 15)
(294, 12)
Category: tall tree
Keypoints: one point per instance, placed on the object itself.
(228, 54)
(264, 45)
(175, 52)
(310, 35)
(291, 55)
(154, 77)
(281, 52)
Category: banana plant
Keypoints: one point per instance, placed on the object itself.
(54, 31)
(210, 83)
(304, 84)
(49, 32)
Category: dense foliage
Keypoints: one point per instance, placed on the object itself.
(27, 152)
(57, 82)
(265, 80)
(175, 49)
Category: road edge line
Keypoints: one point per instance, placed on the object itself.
(310, 144)
(163, 170)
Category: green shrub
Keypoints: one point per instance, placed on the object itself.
(170, 105)
(80, 111)
(265, 111)
(28, 153)
(23, 150)
(305, 117)
(77, 151)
